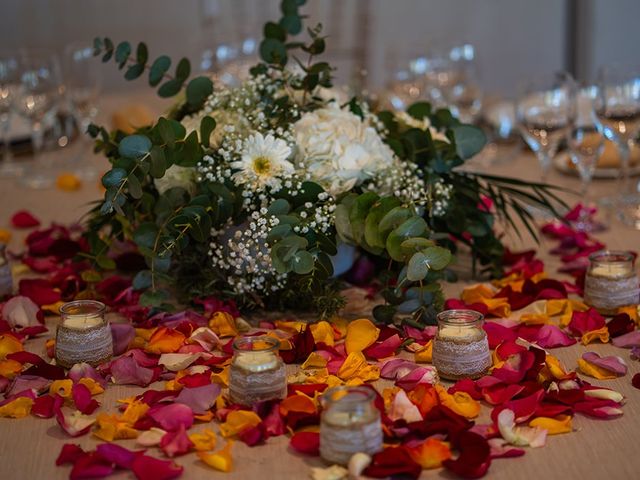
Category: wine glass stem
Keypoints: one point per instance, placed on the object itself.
(625, 153)
(6, 149)
(545, 163)
(36, 141)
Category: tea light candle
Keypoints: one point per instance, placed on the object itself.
(350, 424)
(461, 347)
(84, 335)
(257, 373)
(611, 282)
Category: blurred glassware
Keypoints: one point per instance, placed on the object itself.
(82, 78)
(543, 111)
(9, 85)
(586, 145)
(617, 110)
(37, 100)
(406, 85)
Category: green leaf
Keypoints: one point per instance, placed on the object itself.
(142, 53)
(289, 7)
(105, 262)
(135, 188)
(419, 110)
(158, 163)
(393, 219)
(278, 232)
(416, 243)
(170, 88)
(183, 70)
(108, 45)
(384, 313)
(98, 44)
(114, 177)
(134, 71)
(191, 153)
(469, 140)
(437, 258)
(198, 90)
(359, 211)
(279, 207)
(134, 146)
(145, 234)
(142, 280)
(302, 262)
(166, 131)
(418, 267)
(207, 126)
(275, 31)
(372, 234)
(273, 51)
(413, 227)
(292, 24)
(122, 53)
(158, 68)
(155, 298)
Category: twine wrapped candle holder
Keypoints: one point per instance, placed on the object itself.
(257, 372)
(461, 347)
(611, 281)
(84, 336)
(350, 424)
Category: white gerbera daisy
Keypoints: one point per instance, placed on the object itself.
(264, 162)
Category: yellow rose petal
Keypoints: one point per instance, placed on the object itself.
(203, 441)
(223, 325)
(425, 354)
(595, 371)
(238, 421)
(220, 460)
(5, 236)
(360, 334)
(8, 345)
(18, 408)
(68, 182)
(601, 334)
(61, 387)
(323, 333)
(553, 426)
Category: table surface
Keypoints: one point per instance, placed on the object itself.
(596, 449)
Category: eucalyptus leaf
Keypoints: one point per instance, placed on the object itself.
(469, 140)
(158, 69)
(198, 90)
(302, 262)
(142, 280)
(114, 177)
(207, 126)
(134, 146)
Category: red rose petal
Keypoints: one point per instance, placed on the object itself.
(148, 468)
(583, 322)
(43, 407)
(497, 334)
(24, 219)
(306, 442)
(468, 386)
(91, 465)
(475, 456)
(253, 436)
(384, 349)
(70, 453)
(393, 461)
(635, 381)
(82, 399)
(620, 324)
(39, 290)
(117, 455)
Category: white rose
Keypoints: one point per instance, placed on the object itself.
(339, 149)
(177, 176)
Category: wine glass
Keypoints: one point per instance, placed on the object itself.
(617, 109)
(82, 80)
(586, 145)
(9, 83)
(463, 94)
(543, 111)
(37, 101)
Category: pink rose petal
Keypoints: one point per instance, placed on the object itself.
(628, 340)
(21, 311)
(84, 370)
(82, 399)
(43, 406)
(176, 443)
(90, 465)
(148, 468)
(583, 322)
(199, 399)
(126, 371)
(385, 348)
(550, 336)
(611, 363)
(122, 334)
(117, 455)
(172, 417)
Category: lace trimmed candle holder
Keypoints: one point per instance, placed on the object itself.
(6, 277)
(611, 282)
(257, 372)
(461, 347)
(350, 424)
(84, 336)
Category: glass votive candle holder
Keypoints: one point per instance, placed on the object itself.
(84, 336)
(257, 372)
(461, 347)
(350, 423)
(611, 281)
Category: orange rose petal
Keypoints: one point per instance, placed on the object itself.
(430, 453)
(134, 412)
(10, 368)
(61, 387)
(94, 387)
(425, 354)
(223, 324)
(8, 345)
(165, 340)
(556, 369)
(5, 236)
(204, 440)
(68, 182)
(553, 426)
(323, 333)
(221, 378)
(220, 460)
(238, 421)
(53, 308)
(314, 360)
(425, 397)
(18, 408)
(205, 417)
(297, 403)
(477, 293)
(361, 333)
(601, 334)
(355, 367)
(460, 402)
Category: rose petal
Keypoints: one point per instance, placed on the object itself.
(117, 455)
(199, 399)
(393, 461)
(84, 370)
(635, 381)
(43, 406)
(602, 367)
(306, 442)
(620, 324)
(205, 337)
(39, 290)
(519, 436)
(475, 456)
(82, 399)
(500, 448)
(550, 336)
(148, 468)
(172, 417)
(628, 340)
(19, 407)
(360, 334)
(24, 219)
(403, 409)
(151, 437)
(126, 371)
(497, 334)
(73, 423)
(420, 375)
(122, 335)
(430, 453)
(385, 348)
(176, 442)
(165, 340)
(220, 460)
(69, 453)
(21, 311)
(238, 421)
(583, 322)
(553, 426)
(90, 465)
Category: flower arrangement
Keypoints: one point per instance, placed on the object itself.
(268, 191)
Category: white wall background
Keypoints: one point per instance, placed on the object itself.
(513, 38)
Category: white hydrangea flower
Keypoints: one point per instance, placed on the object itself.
(338, 149)
(177, 176)
(424, 124)
(264, 162)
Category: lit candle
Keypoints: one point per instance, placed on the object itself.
(350, 424)
(611, 282)
(257, 373)
(84, 336)
(461, 348)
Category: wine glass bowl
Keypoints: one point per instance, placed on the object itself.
(9, 85)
